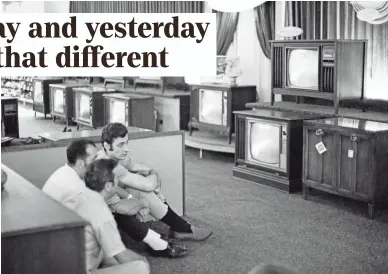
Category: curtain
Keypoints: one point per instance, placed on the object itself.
(265, 25)
(226, 28)
(338, 20)
(136, 7)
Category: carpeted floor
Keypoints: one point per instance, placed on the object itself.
(253, 224)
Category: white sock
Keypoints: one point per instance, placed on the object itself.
(154, 241)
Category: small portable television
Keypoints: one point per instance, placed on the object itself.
(89, 105)
(269, 146)
(41, 94)
(331, 70)
(130, 110)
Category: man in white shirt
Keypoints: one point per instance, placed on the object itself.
(143, 183)
(66, 183)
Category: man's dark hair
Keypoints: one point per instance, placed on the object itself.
(113, 131)
(77, 150)
(98, 173)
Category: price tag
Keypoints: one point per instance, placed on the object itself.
(350, 153)
(320, 148)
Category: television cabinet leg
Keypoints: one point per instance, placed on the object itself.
(45, 116)
(371, 210)
(35, 114)
(336, 107)
(77, 127)
(190, 129)
(229, 136)
(54, 118)
(305, 191)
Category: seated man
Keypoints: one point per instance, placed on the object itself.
(67, 181)
(143, 182)
(103, 243)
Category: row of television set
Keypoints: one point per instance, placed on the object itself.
(89, 105)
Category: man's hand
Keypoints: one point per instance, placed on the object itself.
(142, 215)
(144, 173)
(158, 189)
(129, 206)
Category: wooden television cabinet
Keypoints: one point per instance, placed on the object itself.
(41, 94)
(135, 110)
(224, 99)
(269, 147)
(336, 66)
(355, 163)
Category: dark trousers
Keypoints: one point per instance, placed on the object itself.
(132, 226)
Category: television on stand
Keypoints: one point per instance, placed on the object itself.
(61, 97)
(330, 70)
(269, 148)
(212, 106)
(89, 105)
(130, 110)
(41, 94)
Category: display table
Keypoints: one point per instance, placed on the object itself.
(94, 134)
(38, 235)
(347, 157)
(162, 151)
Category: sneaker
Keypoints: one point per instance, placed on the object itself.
(197, 234)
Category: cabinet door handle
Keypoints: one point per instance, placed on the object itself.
(353, 138)
(319, 132)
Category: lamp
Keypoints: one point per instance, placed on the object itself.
(234, 5)
(373, 12)
(289, 32)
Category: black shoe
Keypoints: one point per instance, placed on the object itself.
(172, 251)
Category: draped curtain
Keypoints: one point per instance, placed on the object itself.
(136, 7)
(265, 25)
(226, 28)
(338, 20)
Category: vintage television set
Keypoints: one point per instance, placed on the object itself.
(212, 106)
(10, 117)
(331, 70)
(61, 100)
(156, 81)
(269, 148)
(130, 109)
(89, 105)
(41, 94)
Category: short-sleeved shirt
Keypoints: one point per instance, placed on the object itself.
(102, 238)
(64, 182)
(123, 168)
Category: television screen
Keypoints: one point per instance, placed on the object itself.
(59, 103)
(212, 107)
(117, 112)
(303, 68)
(264, 143)
(38, 92)
(83, 107)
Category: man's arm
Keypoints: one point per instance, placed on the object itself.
(129, 206)
(136, 181)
